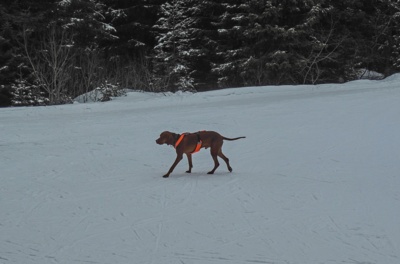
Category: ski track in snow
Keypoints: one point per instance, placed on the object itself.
(315, 181)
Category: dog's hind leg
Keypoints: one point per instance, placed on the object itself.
(214, 155)
(222, 156)
(189, 157)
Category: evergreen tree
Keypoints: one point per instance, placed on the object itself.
(181, 55)
(387, 36)
(6, 70)
(319, 57)
(261, 42)
(171, 65)
(13, 16)
(395, 30)
(133, 21)
(232, 45)
(15, 72)
(87, 21)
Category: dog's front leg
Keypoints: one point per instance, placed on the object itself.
(177, 160)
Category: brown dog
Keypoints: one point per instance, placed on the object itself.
(189, 143)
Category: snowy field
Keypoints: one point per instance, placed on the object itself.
(317, 180)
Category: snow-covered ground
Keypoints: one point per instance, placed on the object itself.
(317, 180)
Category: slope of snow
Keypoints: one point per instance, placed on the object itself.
(316, 180)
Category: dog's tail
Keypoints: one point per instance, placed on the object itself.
(231, 139)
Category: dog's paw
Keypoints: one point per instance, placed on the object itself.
(165, 176)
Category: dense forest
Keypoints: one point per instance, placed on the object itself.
(54, 50)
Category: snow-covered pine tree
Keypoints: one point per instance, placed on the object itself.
(87, 20)
(387, 21)
(13, 15)
(16, 16)
(284, 39)
(395, 58)
(133, 21)
(171, 68)
(183, 47)
(395, 32)
(232, 44)
(6, 47)
(263, 42)
(318, 46)
(367, 30)
(127, 56)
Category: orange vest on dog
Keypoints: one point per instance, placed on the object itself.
(198, 146)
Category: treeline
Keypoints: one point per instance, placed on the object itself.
(54, 50)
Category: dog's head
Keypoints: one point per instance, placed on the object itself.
(166, 137)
